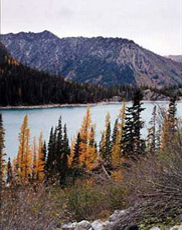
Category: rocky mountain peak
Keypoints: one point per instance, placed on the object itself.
(96, 60)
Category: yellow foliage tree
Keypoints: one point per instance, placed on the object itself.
(118, 133)
(24, 157)
(88, 150)
(169, 124)
(91, 151)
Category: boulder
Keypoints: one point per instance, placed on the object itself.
(83, 225)
(117, 215)
(98, 225)
(69, 226)
(155, 228)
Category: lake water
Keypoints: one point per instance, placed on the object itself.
(43, 119)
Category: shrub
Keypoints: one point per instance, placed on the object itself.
(93, 201)
(155, 186)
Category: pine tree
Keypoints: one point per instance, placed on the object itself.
(152, 132)
(59, 146)
(132, 144)
(44, 156)
(77, 151)
(70, 158)
(58, 154)
(51, 155)
(9, 172)
(64, 158)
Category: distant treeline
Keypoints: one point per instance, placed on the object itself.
(20, 85)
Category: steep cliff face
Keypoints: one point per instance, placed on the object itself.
(105, 61)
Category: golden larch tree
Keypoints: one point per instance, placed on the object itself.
(118, 133)
(24, 156)
(88, 150)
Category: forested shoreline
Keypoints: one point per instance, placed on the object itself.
(82, 178)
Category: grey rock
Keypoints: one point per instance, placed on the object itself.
(83, 225)
(98, 225)
(68, 226)
(155, 228)
(117, 215)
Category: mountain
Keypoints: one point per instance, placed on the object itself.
(97, 60)
(177, 58)
(21, 85)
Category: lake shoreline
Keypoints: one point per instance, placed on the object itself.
(72, 105)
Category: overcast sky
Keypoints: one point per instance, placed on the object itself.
(153, 24)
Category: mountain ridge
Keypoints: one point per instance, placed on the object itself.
(96, 60)
(176, 58)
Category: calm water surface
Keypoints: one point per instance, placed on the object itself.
(44, 119)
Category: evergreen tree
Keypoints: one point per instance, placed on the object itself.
(115, 132)
(51, 155)
(77, 151)
(44, 150)
(9, 172)
(152, 132)
(132, 144)
(59, 146)
(64, 158)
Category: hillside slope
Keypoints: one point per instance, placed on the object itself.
(105, 61)
(21, 85)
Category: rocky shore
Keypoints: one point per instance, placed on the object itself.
(110, 223)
